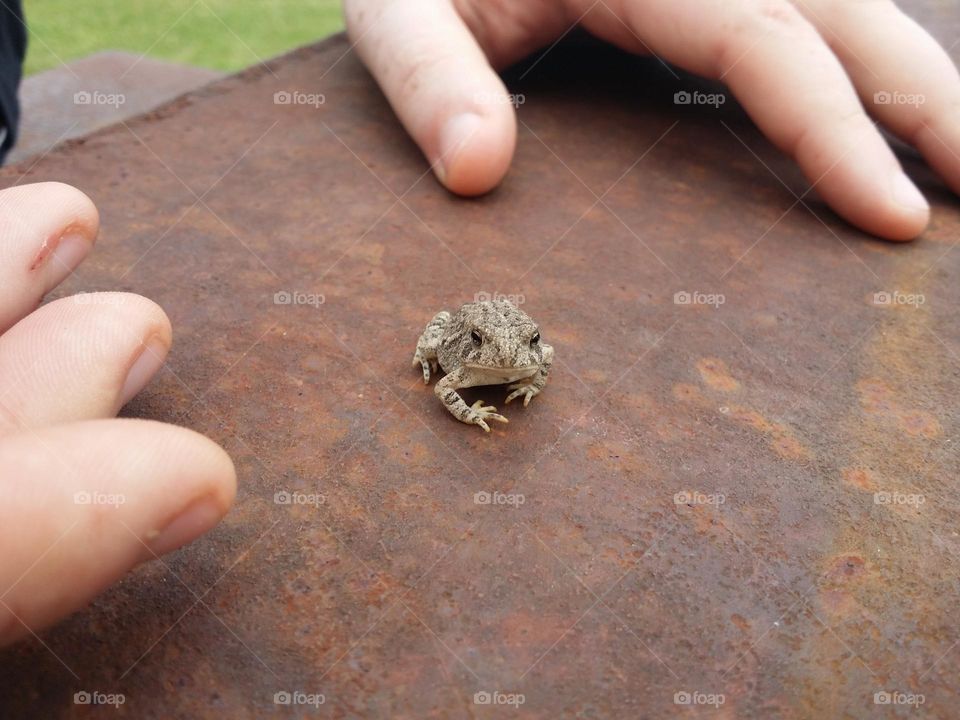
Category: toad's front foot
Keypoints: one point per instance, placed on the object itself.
(527, 389)
(427, 363)
(480, 413)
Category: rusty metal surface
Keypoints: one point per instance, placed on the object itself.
(797, 400)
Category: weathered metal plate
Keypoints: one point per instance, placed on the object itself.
(796, 400)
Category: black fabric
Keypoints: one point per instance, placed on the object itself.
(13, 46)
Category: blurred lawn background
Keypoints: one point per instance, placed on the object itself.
(218, 34)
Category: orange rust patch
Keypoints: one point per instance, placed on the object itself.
(877, 398)
(765, 320)
(703, 518)
(751, 418)
(741, 622)
(859, 478)
(564, 336)
(618, 455)
(846, 568)
(920, 422)
(782, 440)
(788, 447)
(715, 374)
(688, 393)
(596, 375)
(371, 252)
(402, 449)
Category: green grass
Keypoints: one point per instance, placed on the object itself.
(219, 34)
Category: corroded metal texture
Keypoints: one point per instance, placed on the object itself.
(739, 482)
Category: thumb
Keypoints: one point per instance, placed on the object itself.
(441, 86)
(81, 504)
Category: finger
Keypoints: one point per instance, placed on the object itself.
(798, 93)
(441, 86)
(85, 502)
(904, 77)
(46, 230)
(79, 357)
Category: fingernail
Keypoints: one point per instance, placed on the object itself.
(196, 519)
(63, 259)
(453, 137)
(905, 193)
(144, 367)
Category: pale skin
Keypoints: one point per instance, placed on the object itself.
(65, 371)
(806, 71)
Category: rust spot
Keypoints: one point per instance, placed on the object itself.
(877, 398)
(751, 418)
(715, 374)
(617, 455)
(596, 375)
(920, 422)
(860, 478)
(846, 568)
(704, 520)
(782, 440)
(741, 622)
(688, 393)
(765, 320)
(787, 446)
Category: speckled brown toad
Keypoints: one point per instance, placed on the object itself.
(484, 343)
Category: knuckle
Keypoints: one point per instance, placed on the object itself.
(752, 21)
(412, 74)
(768, 16)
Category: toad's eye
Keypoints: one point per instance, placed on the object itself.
(535, 339)
(477, 338)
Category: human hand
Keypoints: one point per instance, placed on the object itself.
(803, 69)
(83, 496)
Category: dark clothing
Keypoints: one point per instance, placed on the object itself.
(13, 46)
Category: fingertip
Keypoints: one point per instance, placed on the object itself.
(214, 474)
(476, 150)
(911, 209)
(132, 490)
(895, 211)
(856, 172)
(223, 476)
(215, 481)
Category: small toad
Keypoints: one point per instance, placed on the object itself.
(484, 343)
